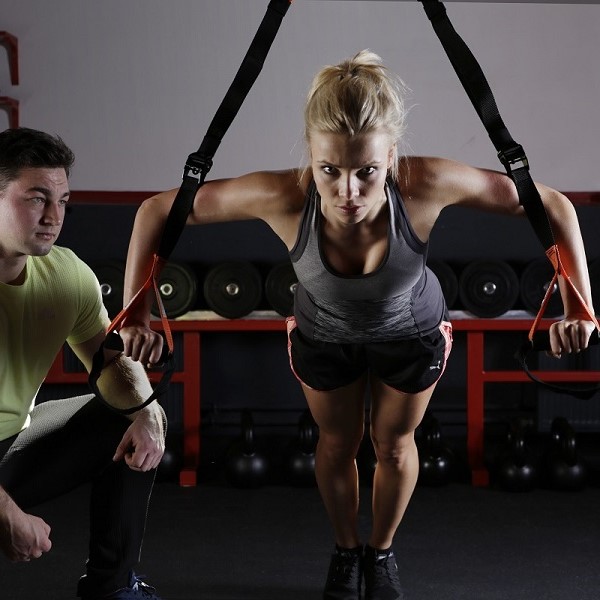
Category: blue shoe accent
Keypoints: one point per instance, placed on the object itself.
(137, 589)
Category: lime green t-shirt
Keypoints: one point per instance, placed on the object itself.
(60, 300)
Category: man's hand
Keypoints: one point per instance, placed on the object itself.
(23, 536)
(143, 444)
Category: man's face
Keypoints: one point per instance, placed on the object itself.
(32, 209)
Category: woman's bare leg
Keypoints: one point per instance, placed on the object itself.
(394, 418)
(339, 415)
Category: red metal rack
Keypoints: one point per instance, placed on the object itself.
(476, 378)
(11, 43)
(8, 104)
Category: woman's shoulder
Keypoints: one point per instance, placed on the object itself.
(428, 175)
(273, 195)
(289, 180)
(423, 169)
(289, 183)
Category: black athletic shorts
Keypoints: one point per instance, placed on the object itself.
(410, 366)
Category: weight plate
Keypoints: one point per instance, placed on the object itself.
(280, 285)
(233, 289)
(178, 287)
(448, 280)
(488, 288)
(534, 282)
(110, 274)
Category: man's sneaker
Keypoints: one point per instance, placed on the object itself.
(381, 575)
(344, 578)
(136, 590)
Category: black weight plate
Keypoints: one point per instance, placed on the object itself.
(233, 289)
(447, 278)
(535, 279)
(488, 288)
(178, 287)
(280, 285)
(110, 274)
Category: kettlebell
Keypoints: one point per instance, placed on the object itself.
(245, 466)
(563, 468)
(436, 461)
(516, 471)
(301, 458)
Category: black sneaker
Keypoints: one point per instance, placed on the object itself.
(344, 578)
(381, 575)
(136, 590)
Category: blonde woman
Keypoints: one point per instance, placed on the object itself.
(368, 314)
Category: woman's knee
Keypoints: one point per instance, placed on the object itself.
(395, 451)
(339, 448)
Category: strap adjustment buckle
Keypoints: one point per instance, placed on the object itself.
(197, 166)
(514, 158)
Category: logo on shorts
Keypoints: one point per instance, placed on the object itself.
(438, 366)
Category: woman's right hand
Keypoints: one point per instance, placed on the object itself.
(141, 343)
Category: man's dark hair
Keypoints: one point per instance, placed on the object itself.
(23, 148)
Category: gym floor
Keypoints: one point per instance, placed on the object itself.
(216, 542)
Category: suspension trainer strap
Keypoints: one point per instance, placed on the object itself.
(513, 158)
(195, 171)
(539, 341)
(199, 163)
(112, 341)
(511, 154)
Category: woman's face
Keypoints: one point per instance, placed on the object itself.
(350, 173)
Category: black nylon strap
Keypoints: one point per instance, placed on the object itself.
(510, 153)
(246, 76)
(199, 163)
(196, 168)
(182, 205)
(534, 207)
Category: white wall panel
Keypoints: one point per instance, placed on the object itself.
(132, 85)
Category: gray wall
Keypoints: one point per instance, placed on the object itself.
(132, 84)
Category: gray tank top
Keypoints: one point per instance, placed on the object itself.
(401, 299)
